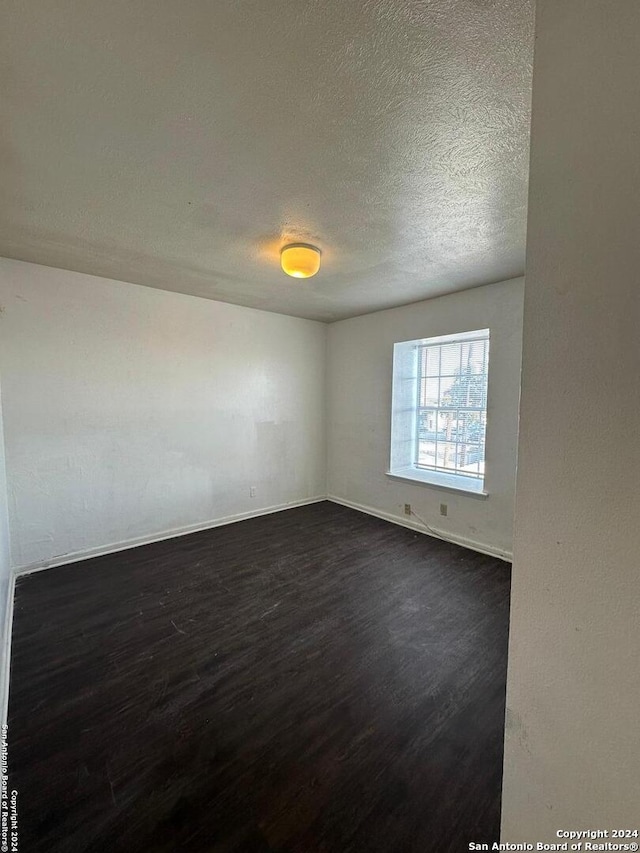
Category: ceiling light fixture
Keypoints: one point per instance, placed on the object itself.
(300, 260)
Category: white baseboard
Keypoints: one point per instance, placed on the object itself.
(5, 652)
(416, 525)
(76, 556)
(101, 550)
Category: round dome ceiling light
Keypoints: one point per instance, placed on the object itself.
(300, 260)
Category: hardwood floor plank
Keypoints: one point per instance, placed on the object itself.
(314, 680)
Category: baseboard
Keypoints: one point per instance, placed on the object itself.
(420, 528)
(76, 556)
(102, 550)
(5, 653)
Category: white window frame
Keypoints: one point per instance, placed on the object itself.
(404, 418)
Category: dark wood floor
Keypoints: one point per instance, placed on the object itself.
(314, 680)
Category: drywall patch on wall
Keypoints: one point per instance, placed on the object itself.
(359, 377)
(129, 410)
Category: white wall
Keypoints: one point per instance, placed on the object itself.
(5, 566)
(5, 550)
(360, 356)
(573, 732)
(130, 411)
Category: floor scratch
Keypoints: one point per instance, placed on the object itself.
(113, 796)
(270, 610)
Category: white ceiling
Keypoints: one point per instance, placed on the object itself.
(180, 143)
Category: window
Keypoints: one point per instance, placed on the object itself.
(439, 416)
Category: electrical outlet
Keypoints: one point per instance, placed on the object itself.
(444, 509)
(407, 509)
(252, 492)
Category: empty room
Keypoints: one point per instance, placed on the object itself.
(319, 393)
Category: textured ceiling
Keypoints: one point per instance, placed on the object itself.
(180, 143)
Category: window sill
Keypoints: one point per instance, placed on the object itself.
(446, 482)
